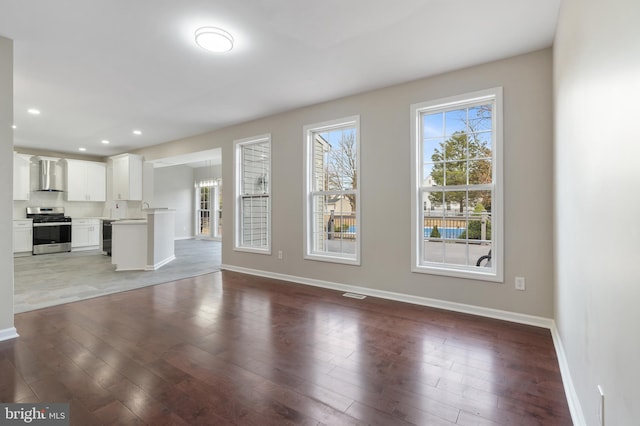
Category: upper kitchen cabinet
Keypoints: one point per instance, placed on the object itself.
(21, 176)
(86, 181)
(127, 177)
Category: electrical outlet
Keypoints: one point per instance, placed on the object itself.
(280, 254)
(520, 283)
(601, 406)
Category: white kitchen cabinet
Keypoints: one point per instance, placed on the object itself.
(21, 176)
(22, 235)
(85, 234)
(127, 177)
(86, 181)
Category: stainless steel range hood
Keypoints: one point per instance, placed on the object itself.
(51, 175)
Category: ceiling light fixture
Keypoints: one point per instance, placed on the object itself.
(137, 132)
(33, 111)
(14, 127)
(214, 39)
(82, 149)
(104, 141)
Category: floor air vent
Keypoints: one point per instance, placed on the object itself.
(354, 295)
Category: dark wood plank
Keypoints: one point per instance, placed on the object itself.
(228, 348)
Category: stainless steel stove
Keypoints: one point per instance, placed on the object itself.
(51, 229)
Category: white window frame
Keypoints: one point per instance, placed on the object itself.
(239, 145)
(309, 131)
(495, 272)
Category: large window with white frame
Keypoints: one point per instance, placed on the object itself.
(253, 194)
(457, 186)
(332, 191)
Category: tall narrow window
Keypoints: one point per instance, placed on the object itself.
(209, 209)
(203, 193)
(457, 175)
(332, 208)
(253, 188)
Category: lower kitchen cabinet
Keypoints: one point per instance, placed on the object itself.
(22, 236)
(85, 234)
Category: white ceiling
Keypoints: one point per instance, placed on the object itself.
(98, 69)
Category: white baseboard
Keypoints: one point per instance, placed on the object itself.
(8, 333)
(160, 264)
(400, 297)
(575, 408)
(577, 415)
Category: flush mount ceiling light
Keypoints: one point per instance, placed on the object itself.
(33, 111)
(214, 39)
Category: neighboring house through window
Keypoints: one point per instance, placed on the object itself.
(457, 186)
(253, 189)
(332, 193)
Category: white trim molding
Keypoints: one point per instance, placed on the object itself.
(160, 264)
(8, 333)
(575, 408)
(401, 297)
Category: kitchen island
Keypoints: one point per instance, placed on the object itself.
(144, 244)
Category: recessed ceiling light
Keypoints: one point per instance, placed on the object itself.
(14, 127)
(214, 39)
(104, 141)
(33, 111)
(137, 132)
(82, 149)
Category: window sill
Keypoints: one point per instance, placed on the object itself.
(490, 275)
(253, 250)
(333, 259)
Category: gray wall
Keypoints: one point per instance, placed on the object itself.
(173, 188)
(386, 188)
(597, 87)
(6, 185)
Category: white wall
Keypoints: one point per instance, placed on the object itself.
(173, 188)
(6, 188)
(207, 173)
(597, 146)
(386, 189)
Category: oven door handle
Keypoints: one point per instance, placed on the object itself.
(37, 225)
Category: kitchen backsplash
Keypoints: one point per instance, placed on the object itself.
(111, 209)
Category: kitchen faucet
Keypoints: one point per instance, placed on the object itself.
(143, 203)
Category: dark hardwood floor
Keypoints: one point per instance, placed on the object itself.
(228, 348)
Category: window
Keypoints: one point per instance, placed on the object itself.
(332, 209)
(457, 181)
(203, 192)
(209, 209)
(253, 205)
